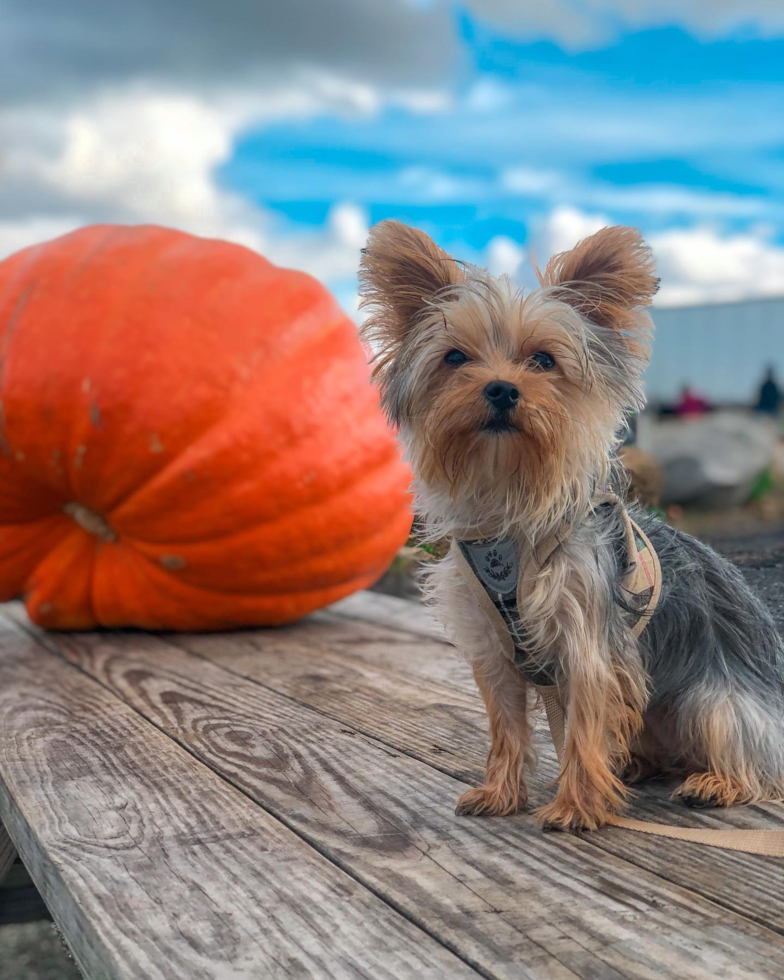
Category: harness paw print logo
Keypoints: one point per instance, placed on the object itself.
(496, 567)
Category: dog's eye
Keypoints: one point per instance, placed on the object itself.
(456, 357)
(543, 360)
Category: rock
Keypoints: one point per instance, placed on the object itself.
(713, 460)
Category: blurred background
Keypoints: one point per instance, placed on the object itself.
(506, 129)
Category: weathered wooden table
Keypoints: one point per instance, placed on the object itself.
(280, 804)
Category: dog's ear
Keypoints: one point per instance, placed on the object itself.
(402, 270)
(605, 277)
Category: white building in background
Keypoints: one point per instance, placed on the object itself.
(720, 350)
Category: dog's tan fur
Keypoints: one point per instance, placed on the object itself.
(537, 475)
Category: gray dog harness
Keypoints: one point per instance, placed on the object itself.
(500, 579)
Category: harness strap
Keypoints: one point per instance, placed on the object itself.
(767, 842)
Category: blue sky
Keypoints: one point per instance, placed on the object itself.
(656, 128)
(504, 129)
(659, 128)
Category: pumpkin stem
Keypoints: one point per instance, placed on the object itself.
(90, 521)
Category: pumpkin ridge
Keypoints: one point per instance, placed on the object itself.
(351, 482)
(56, 528)
(37, 583)
(80, 435)
(8, 332)
(109, 233)
(215, 424)
(374, 537)
(290, 591)
(52, 509)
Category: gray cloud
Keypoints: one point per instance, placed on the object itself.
(55, 50)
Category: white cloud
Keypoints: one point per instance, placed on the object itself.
(22, 232)
(430, 185)
(136, 156)
(127, 156)
(580, 24)
(664, 200)
(696, 265)
(699, 265)
(488, 94)
(504, 257)
(147, 154)
(350, 224)
(708, 17)
(564, 227)
(655, 199)
(330, 254)
(528, 181)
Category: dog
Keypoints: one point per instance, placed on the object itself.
(509, 406)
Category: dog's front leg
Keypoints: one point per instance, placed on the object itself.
(505, 693)
(603, 715)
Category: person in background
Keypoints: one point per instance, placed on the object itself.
(690, 403)
(769, 398)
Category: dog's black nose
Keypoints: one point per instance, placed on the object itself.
(502, 395)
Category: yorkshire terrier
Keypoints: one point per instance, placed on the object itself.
(510, 407)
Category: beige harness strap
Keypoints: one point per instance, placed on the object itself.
(767, 842)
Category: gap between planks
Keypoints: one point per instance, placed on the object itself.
(311, 709)
(431, 951)
(52, 649)
(680, 863)
(652, 802)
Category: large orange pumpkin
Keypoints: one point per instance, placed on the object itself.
(188, 437)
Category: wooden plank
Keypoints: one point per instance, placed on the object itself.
(510, 900)
(387, 610)
(446, 728)
(155, 867)
(382, 646)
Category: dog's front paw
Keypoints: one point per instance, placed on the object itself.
(491, 801)
(573, 815)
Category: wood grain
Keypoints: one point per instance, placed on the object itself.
(383, 646)
(155, 867)
(446, 728)
(510, 900)
(387, 610)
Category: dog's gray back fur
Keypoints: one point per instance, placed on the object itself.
(710, 645)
